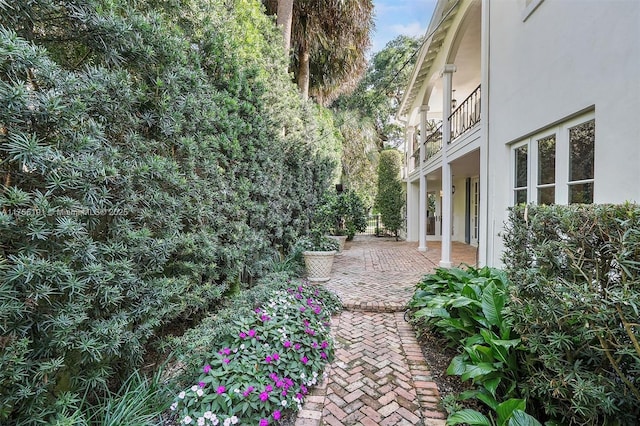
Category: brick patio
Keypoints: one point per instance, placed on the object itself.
(379, 376)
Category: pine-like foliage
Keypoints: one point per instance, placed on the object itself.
(144, 168)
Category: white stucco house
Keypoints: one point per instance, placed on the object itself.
(515, 101)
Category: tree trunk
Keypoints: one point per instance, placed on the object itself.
(303, 72)
(284, 18)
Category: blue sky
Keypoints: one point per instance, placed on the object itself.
(395, 17)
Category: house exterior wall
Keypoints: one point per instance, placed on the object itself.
(567, 57)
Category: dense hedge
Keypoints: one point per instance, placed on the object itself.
(147, 163)
(575, 303)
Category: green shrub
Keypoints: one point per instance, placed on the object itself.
(468, 307)
(390, 197)
(144, 173)
(575, 300)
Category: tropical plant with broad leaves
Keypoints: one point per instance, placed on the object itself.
(467, 307)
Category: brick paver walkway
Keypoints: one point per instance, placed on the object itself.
(379, 376)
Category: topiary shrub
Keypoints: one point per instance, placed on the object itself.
(390, 197)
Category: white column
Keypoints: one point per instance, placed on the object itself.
(422, 218)
(447, 75)
(483, 238)
(408, 144)
(412, 194)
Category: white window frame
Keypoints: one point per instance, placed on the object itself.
(514, 147)
(562, 182)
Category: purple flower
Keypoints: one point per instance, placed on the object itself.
(202, 384)
(304, 360)
(273, 376)
(252, 333)
(268, 359)
(257, 310)
(302, 309)
(279, 384)
(317, 310)
(315, 345)
(276, 415)
(323, 355)
(275, 356)
(265, 318)
(248, 391)
(221, 389)
(264, 396)
(264, 422)
(297, 346)
(226, 351)
(226, 360)
(268, 388)
(287, 344)
(299, 396)
(324, 344)
(243, 335)
(206, 368)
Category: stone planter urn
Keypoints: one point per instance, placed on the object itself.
(318, 265)
(341, 239)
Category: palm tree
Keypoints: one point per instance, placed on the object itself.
(329, 39)
(284, 19)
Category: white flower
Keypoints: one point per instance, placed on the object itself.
(233, 419)
(174, 406)
(194, 388)
(235, 350)
(208, 415)
(242, 346)
(187, 420)
(236, 390)
(181, 395)
(284, 403)
(201, 421)
(227, 422)
(215, 421)
(199, 392)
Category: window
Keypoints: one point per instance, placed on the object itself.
(556, 165)
(547, 170)
(581, 155)
(521, 174)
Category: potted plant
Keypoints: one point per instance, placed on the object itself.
(341, 215)
(318, 251)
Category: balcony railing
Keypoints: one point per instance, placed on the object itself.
(465, 116)
(433, 144)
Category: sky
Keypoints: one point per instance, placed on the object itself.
(395, 17)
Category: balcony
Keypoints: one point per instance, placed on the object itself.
(465, 116)
(433, 143)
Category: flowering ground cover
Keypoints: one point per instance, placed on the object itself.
(266, 366)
